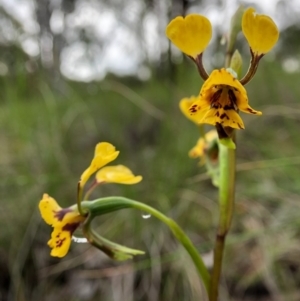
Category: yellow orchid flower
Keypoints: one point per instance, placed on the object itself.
(64, 222)
(117, 174)
(190, 34)
(260, 31)
(199, 149)
(220, 99)
(104, 153)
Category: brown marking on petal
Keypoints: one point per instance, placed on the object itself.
(224, 115)
(215, 98)
(193, 109)
(217, 114)
(240, 126)
(61, 213)
(251, 111)
(214, 105)
(70, 227)
(60, 242)
(228, 107)
(232, 99)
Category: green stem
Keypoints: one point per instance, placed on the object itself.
(79, 198)
(228, 57)
(105, 205)
(226, 202)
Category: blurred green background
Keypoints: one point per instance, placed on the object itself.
(125, 90)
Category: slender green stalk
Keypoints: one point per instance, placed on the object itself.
(109, 204)
(226, 202)
(79, 198)
(228, 57)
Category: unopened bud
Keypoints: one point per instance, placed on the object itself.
(235, 28)
(236, 63)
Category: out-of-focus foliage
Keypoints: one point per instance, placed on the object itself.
(49, 126)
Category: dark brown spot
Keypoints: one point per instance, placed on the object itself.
(232, 99)
(70, 227)
(60, 242)
(231, 96)
(215, 98)
(224, 115)
(217, 114)
(193, 109)
(61, 213)
(228, 107)
(240, 126)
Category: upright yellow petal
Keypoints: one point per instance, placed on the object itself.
(104, 153)
(48, 207)
(190, 34)
(117, 174)
(260, 31)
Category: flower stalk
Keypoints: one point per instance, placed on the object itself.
(252, 68)
(226, 203)
(109, 204)
(198, 61)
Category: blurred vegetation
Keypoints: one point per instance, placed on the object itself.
(48, 137)
(48, 129)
